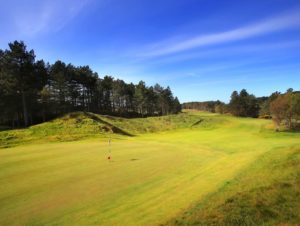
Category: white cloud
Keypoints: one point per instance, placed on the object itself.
(263, 27)
(237, 50)
(47, 16)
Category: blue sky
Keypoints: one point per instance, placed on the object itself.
(202, 49)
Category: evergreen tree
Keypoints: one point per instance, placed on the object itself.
(40, 91)
(18, 74)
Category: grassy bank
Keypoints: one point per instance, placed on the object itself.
(190, 169)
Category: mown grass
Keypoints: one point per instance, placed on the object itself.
(200, 169)
(265, 193)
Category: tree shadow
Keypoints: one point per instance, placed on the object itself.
(5, 128)
(296, 129)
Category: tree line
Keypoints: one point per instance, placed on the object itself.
(211, 106)
(282, 108)
(32, 91)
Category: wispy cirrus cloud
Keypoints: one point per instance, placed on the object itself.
(228, 51)
(46, 16)
(262, 27)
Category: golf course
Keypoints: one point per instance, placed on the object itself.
(193, 168)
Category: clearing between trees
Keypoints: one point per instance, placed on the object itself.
(193, 168)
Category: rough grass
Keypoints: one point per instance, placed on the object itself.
(80, 125)
(193, 169)
(266, 193)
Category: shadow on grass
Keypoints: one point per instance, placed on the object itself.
(274, 203)
(5, 128)
(197, 123)
(295, 129)
(113, 128)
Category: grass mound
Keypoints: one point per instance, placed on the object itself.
(80, 125)
(163, 123)
(73, 126)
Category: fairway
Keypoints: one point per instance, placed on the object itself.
(152, 177)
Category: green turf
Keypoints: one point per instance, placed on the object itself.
(79, 125)
(193, 168)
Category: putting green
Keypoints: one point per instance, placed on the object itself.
(150, 179)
